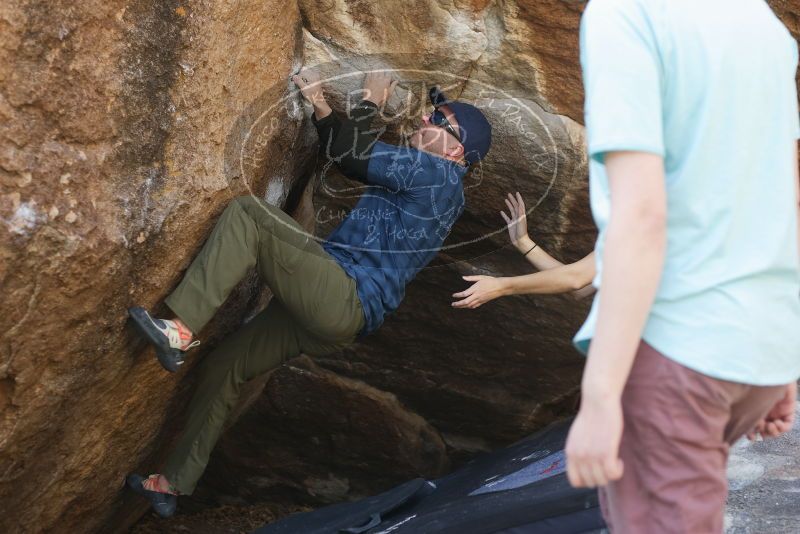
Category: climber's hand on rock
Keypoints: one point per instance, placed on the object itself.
(310, 85)
(484, 289)
(378, 87)
(780, 418)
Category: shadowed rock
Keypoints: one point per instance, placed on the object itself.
(315, 437)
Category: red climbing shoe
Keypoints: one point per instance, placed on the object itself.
(170, 340)
(163, 504)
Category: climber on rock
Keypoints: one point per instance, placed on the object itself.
(328, 293)
(553, 277)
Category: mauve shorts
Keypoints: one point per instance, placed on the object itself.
(679, 426)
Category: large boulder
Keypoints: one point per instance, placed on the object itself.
(126, 125)
(315, 437)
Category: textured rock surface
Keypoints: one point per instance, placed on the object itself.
(126, 125)
(121, 123)
(345, 437)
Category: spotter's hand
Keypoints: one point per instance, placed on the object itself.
(484, 289)
(516, 220)
(780, 418)
(592, 447)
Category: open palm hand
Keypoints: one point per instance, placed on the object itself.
(516, 220)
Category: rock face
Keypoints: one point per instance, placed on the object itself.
(344, 436)
(125, 128)
(480, 378)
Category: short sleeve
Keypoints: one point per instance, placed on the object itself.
(622, 79)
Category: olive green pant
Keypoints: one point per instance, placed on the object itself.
(315, 310)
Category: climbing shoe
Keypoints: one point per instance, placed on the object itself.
(170, 340)
(163, 504)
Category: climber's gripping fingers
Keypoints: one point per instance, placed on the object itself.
(379, 87)
(310, 85)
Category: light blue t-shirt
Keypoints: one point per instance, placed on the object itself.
(710, 86)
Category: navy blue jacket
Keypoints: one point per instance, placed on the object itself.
(410, 201)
